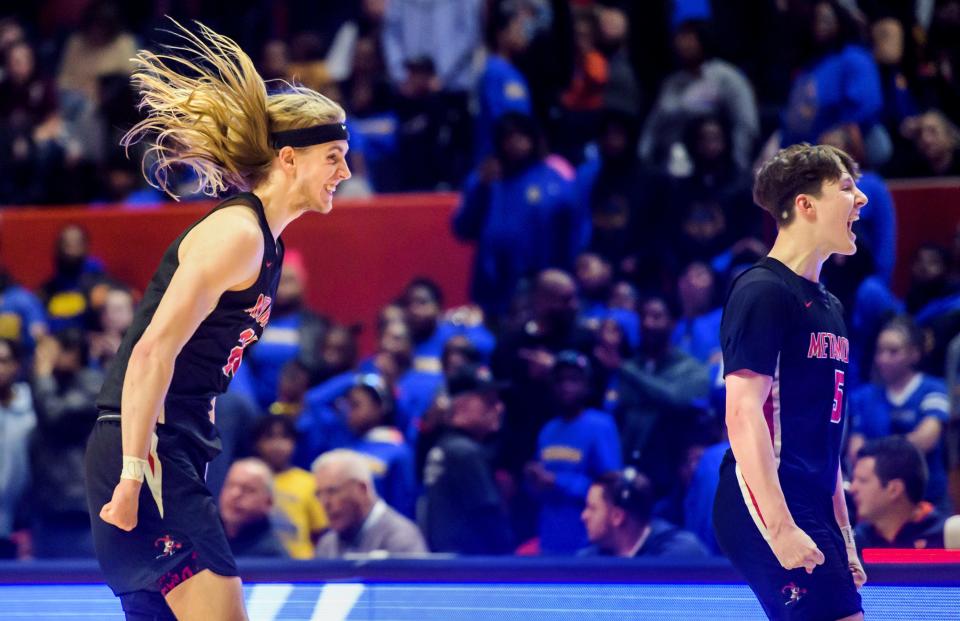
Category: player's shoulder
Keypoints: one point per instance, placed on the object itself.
(238, 216)
(759, 276)
(758, 285)
(235, 228)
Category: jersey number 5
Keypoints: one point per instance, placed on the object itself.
(837, 412)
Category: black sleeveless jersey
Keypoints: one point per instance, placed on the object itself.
(779, 324)
(212, 356)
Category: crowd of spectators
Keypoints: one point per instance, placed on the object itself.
(603, 152)
(587, 418)
(697, 90)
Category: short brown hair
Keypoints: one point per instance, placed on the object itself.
(798, 169)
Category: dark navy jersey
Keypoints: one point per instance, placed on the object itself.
(206, 364)
(779, 324)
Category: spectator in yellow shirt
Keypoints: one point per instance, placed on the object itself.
(300, 516)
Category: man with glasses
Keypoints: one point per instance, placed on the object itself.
(360, 521)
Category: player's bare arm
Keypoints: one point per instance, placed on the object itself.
(750, 442)
(223, 252)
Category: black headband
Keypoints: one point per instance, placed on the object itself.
(309, 136)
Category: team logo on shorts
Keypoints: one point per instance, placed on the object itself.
(167, 546)
(793, 593)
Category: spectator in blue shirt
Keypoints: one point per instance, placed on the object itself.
(338, 353)
(71, 293)
(501, 88)
(595, 284)
(422, 303)
(618, 521)
(904, 402)
(698, 329)
(388, 456)
(612, 349)
(521, 213)
(22, 319)
(573, 449)
(698, 501)
(839, 83)
(413, 388)
(594, 279)
(321, 422)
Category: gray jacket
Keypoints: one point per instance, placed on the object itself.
(384, 530)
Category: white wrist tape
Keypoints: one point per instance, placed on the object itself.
(133, 468)
(848, 538)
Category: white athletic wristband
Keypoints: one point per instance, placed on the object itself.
(133, 468)
(848, 538)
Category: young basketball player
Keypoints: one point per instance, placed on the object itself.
(779, 512)
(156, 529)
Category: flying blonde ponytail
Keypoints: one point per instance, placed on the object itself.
(207, 108)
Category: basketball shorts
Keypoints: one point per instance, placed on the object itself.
(178, 531)
(827, 594)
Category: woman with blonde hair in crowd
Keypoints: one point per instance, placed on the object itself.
(161, 545)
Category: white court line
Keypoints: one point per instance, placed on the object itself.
(266, 600)
(336, 601)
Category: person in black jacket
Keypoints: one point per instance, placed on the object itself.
(462, 509)
(618, 521)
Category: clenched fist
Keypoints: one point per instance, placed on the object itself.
(121, 511)
(794, 549)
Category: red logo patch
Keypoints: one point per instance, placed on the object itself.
(167, 545)
(793, 593)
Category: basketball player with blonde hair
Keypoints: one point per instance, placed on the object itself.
(156, 529)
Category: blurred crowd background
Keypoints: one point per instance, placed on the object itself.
(603, 154)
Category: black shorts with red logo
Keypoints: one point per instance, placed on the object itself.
(829, 593)
(178, 531)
